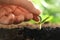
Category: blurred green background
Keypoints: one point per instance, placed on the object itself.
(49, 8)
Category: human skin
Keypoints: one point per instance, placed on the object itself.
(16, 11)
(23, 3)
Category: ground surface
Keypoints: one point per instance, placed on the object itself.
(29, 32)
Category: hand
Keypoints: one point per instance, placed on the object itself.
(15, 14)
(27, 4)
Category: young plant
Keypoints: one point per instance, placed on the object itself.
(42, 21)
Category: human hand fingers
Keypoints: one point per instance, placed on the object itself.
(5, 13)
(26, 13)
(36, 18)
(9, 19)
(20, 13)
(19, 19)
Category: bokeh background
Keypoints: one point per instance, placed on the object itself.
(49, 8)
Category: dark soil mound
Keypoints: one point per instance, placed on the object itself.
(46, 33)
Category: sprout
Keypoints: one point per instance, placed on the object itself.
(42, 21)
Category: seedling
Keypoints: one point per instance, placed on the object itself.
(42, 21)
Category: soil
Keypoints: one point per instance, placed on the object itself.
(52, 25)
(29, 25)
(21, 25)
(27, 31)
